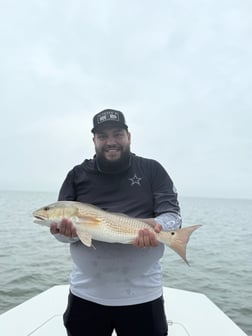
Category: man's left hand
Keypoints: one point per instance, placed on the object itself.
(147, 238)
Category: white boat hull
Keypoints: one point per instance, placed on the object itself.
(188, 313)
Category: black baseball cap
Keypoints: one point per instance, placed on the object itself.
(108, 117)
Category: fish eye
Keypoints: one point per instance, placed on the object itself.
(172, 233)
(46, 208)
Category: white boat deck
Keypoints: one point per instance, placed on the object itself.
(188, 313)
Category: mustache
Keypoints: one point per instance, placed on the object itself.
(108, 147)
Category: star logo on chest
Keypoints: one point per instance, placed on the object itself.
(135, 180)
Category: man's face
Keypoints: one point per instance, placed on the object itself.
(112, 144)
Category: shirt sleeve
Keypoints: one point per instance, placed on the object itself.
(164, 193)
(64, 239)
(67, 190)
(169, 221)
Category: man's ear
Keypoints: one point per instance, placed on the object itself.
(129, 136)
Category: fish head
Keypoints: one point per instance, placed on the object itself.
(55, 212)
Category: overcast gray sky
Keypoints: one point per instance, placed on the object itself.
(180, 71)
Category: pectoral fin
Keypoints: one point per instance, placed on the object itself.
(85, 237)
(88, 220)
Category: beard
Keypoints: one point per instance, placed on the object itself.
(113, 166)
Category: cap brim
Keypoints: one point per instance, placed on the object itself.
(108, 124)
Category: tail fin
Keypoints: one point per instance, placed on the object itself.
(178, 239)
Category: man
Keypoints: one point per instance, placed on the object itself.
(116, 286)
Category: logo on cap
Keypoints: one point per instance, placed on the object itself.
(108, 116)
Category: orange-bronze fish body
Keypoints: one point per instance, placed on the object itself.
(92, 222)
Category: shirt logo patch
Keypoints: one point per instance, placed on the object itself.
(135, 180)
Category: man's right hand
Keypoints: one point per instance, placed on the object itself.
(65, 227)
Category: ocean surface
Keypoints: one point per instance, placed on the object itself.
(220, 253)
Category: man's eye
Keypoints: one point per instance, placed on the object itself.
(118, 135)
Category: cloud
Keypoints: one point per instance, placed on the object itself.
(179, 70)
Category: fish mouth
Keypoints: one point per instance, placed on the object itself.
(38, 218)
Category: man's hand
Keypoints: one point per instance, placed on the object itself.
(147, 238)
(65, 228)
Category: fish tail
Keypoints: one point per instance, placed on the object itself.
(178, 239)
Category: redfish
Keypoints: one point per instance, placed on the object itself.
(92, 222)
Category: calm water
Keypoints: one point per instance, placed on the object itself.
(220, 253)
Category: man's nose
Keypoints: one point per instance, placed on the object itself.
(110, 140)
